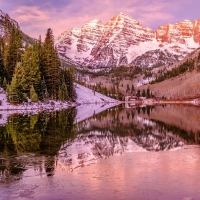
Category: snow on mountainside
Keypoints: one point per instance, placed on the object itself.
(89, 148)
(12, 22)
(97, 101)
(122, 40)
(84, 96)
(101, 141)
(2, 18)
(87, 96)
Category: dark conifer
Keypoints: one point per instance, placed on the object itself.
(50, 65)
(14, 93)
(138, 93)
(13, 51)
(33, 94)
(4, 84)
(148, 93)
(132, 89)
(143, 93)
(68, 79)
(2, 68)
(43, 91)
(31, 70)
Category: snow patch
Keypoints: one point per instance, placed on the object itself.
(88, 96)
(96, 104)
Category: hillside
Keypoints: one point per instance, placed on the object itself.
(124, 55)
(12, 22)
(179, 81)
(185, 85)
(97, 101)
(88, 96)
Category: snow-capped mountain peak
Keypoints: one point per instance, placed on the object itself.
(93, 24)
(125, 17)
(124, 41)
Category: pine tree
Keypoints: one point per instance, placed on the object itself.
(12, 52)
(127, 88)
(39, 46)
(113, 92)
(148, 95)
(4, 84)
(63, 93)
(50, 65)
(69, 78)
(14, 91)
(132, 89)
(60, 94)
(2, 68)
(31, 70)
(143, 93)
(33, 94)
(138, 93)
(44, 96)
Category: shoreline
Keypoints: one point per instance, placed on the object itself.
(64, 105)
(83, 110)
(57, 106)
(85, 96)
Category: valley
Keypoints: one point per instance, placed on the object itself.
(99, 107)
(121, 57)
(184, 84)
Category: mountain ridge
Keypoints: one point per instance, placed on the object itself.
(122, 39)
(5, 16)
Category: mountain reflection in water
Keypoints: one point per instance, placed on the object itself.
(35, 145)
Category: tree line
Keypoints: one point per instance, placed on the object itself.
(33, 71)
(186, 66)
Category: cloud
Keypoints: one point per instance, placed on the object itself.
(27, 14)
(32, 20)
(36, 16)
(155, 14)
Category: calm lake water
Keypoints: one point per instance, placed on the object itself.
(121, 153)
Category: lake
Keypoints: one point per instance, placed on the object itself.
(150, 152)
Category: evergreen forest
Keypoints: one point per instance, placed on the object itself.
(33, 71)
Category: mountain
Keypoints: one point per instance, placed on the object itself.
(3, 17)
(123, 41)
(99, 138)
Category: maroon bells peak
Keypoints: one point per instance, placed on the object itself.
(124, 41)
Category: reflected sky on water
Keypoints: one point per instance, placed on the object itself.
(52, 145)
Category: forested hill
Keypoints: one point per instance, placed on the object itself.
(6, 20)
(32, 70)
(191, 62)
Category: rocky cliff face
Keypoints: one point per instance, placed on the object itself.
(12, 22)
(119, 34)
(197, 31)
(175, 33)
(123, 41)
(4, 16)
(156, 58)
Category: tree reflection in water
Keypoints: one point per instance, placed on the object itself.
(43, 141)
(33, 142)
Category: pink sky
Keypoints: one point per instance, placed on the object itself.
(36, 16)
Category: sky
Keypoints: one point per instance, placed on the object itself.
(36, 16)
